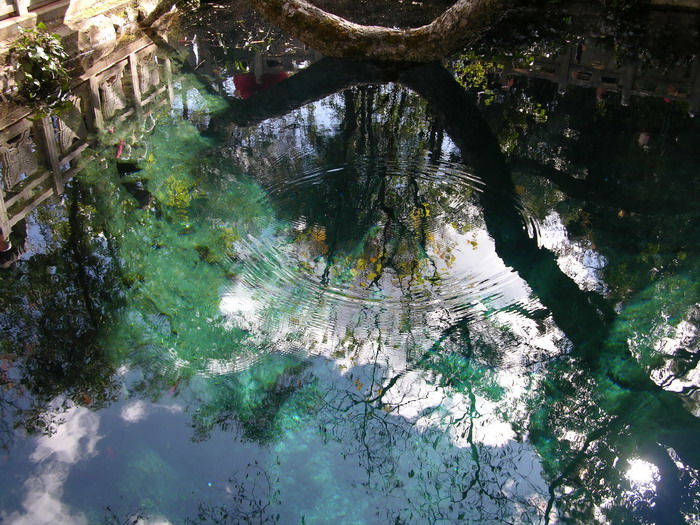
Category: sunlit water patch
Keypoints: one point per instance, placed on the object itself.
(578, 260)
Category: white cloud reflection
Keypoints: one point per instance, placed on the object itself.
(134, 411)
(74, 440)
(138, 410)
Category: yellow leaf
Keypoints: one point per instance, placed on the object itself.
(319, 234)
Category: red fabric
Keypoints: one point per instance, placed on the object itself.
(270, 79)
(245, 83)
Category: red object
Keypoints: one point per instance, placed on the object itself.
(120, 148)
(270, 79)
(246, 85)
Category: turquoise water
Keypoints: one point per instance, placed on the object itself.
(352, 298)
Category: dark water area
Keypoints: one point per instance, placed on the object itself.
(281, 288)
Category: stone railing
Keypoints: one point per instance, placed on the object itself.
(588, 66)
(38, 156)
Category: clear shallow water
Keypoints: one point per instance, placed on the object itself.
(342, 315)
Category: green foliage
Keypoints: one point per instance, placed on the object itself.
(472, 72)
(42, 79)
(53, 306)
(177, 192)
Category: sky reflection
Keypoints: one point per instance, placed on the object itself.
(55, 456)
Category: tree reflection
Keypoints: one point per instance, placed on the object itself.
(375, 203)
(54, 306)
(621, 399)
(451, 425)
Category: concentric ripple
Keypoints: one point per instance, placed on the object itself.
(396, 248)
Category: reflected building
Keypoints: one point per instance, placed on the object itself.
(590, 63)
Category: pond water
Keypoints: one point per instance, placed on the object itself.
(354, 293)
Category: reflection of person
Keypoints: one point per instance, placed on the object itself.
(246, 84)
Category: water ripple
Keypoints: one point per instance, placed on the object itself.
(399, 245)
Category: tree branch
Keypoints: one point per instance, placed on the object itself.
(462, 24)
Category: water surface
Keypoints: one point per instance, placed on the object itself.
(364, 303)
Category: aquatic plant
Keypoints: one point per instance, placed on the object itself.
(38, 59)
